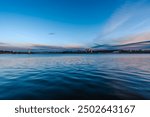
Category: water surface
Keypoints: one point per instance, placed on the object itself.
(75, 76)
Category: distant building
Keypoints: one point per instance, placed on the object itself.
(29, 51)
(89, 50)
(116, 52)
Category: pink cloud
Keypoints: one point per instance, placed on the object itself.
(135, 38)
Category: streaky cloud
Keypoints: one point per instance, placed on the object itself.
(143, 45)
(135, 38)
(130, 19)
(37, 47)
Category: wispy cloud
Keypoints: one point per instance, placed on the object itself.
(132, 18)
(2, 43)
(135, 38)
(116, 20)
(36, 47)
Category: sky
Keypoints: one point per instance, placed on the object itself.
(73, 23)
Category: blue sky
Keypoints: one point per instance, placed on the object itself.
(74, 23)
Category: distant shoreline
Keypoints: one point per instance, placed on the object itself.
(84, 52)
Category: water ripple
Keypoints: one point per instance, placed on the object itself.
(106, 76)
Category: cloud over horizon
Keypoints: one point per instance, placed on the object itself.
(130, 19)
(73, 23)
(36, 47)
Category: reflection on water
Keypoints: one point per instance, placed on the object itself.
(72, 76)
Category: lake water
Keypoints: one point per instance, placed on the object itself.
(75, 76)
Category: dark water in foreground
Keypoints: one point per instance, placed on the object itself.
(72, 76)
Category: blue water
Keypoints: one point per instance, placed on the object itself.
(75, 76)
